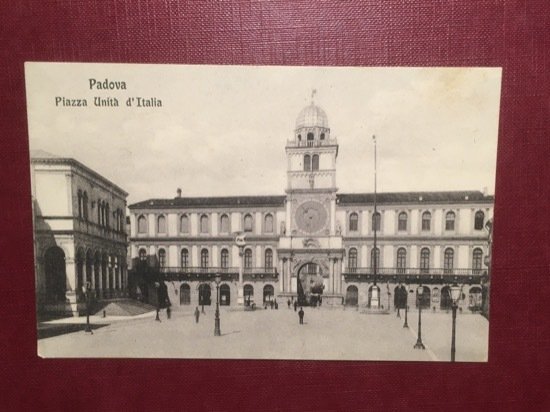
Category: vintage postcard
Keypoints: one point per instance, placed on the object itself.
(320, 213)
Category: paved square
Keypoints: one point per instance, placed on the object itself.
(328, 334)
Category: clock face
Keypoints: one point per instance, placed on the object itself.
(311, 216)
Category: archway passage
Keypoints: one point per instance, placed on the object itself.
(185, 294)
(56, 283)
(248, 292)
(310, 284)
(400, 297)
(445, 299)
(269, 293)
(225, 295)
(475, 298)
(204, 294)
(425, 299)
(352, 296)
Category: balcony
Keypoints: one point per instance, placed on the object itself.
(205, 274)
(415, 275)
(259, 273)
(172, 273)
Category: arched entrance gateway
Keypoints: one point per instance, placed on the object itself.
(269, 294)
(185, 294)
(225, 295)
(204, 294)
(56, 283)
(310, 284)
(352, 296)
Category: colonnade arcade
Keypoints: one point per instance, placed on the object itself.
(105, 272)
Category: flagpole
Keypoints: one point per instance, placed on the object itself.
(376, 220)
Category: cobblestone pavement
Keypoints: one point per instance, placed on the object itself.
(331, 334)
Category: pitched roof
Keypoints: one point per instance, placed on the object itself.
(220, 201)
(461, 196)
(342, 199)
(43, 157)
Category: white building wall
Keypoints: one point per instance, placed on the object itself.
(236, 222)
(215, 258)
(214, 221)
(53, 194)
(414, 224)
(388, 222)
(413, 258)
(466, 224)
(152, 222)
(195, 261)
(172, 220)
(437, 222)
(194, 223)
(258, 223)
(463, 260)
(437, 261)
(172, 256)
(258, 261)
(388, 256)
(363, 253)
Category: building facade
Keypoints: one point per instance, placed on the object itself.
(313, 243)
(79, 234)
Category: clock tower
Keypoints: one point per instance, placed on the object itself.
(311, 245)
(311, 175)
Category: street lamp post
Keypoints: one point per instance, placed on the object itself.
(455, 296)
(419, 344)
(217, 331)
(406, 301)
(86, 290)
(157, 286)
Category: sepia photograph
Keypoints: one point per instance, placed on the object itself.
(262, 212)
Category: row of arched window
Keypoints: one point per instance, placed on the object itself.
(311, 162)
(185, 260)
(403, 219)
(425, 254)
(310, 138)
(103, 212)
(204, 224)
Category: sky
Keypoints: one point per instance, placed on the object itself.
(222, 130)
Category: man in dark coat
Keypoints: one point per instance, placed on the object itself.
(295, 305)
(301, 315)
(197, 314)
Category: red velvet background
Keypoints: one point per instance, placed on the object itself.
(511, 34)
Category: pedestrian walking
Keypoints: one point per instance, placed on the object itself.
(276, 305)
(197, 314)
(301, 315)
(168, 312)
(288, 303)
(295, 305)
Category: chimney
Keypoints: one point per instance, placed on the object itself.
(179, 192)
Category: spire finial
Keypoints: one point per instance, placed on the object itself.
(313, 93)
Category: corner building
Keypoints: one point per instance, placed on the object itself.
(79, 235)
(314, 242)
